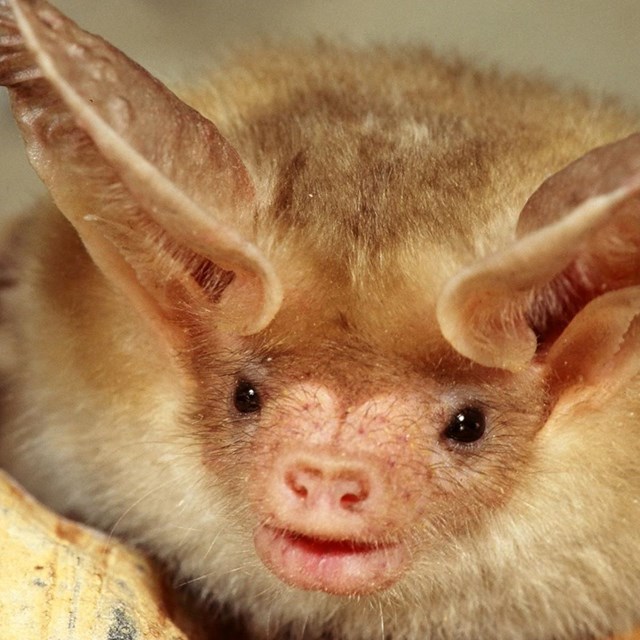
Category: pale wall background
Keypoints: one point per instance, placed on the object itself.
(595, 43)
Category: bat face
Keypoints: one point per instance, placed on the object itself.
(348, 339)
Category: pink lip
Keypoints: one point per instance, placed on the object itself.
(341, 567)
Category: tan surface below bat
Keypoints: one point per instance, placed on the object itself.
(61, 580)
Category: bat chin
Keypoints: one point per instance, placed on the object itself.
(340, 567)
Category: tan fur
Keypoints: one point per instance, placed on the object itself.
(305, 120)
(380, 174)
(486, 142)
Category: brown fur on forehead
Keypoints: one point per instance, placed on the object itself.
(403, 151)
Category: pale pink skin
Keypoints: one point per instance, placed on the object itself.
(339, 489)
(341, 568)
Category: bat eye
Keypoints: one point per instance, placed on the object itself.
(468, 425)
(246, 398)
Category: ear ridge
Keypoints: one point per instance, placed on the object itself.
(598, 172)
(90, 83)
(482, 311)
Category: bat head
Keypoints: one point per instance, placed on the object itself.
(370, 420)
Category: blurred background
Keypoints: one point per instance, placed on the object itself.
(592, 43)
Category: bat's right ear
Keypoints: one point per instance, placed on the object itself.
(160, 198)
(566, 292)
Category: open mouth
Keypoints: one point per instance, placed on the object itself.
(341, 567)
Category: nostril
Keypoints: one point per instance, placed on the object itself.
(353, 494)
(349, 500)
(301, 481)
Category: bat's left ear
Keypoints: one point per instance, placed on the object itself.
(161, 200)
(566, 291)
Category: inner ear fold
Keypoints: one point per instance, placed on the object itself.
(578, 238)
(173, 274)
(599, 349)
(607, 260)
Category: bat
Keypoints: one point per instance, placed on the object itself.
(347, 338)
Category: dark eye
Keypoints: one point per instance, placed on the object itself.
(246, 398)
(468, 425)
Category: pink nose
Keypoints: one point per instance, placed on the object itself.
(326, 483)
(329, 495)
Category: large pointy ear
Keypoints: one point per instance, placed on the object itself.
(566, 290)
(161, 200)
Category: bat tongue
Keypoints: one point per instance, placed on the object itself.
(339, 567)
